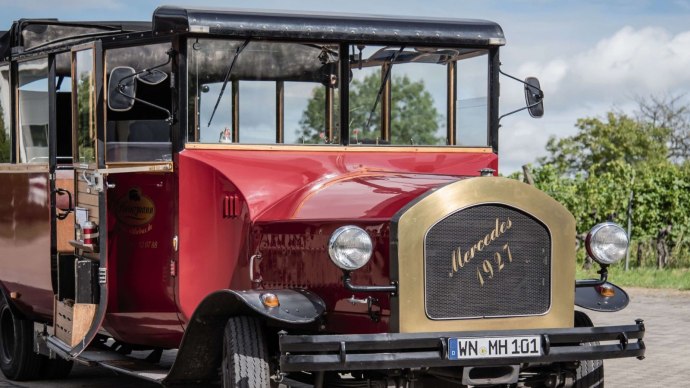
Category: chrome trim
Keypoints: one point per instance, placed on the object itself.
(334, 237)
(596, 228)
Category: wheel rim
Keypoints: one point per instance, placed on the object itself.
(6, 335)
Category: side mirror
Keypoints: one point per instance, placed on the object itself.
(534, 97)
(122, 89)
(152, 77)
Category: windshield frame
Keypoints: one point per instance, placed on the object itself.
(342, 136)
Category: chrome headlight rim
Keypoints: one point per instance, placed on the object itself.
(335, 254)
(604, 261)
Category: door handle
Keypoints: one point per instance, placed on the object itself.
(70, 206)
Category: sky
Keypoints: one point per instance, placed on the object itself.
(591, 56)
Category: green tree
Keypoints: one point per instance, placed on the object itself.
(414, 119)
(5, 143)
(669, 113)
(599, 143)
(86, 119)
(594, 172)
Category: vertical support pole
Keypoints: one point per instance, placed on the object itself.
(328, 114)
(235, 111)
(386, 105)
(494, 91)
(13, 113)
(452, 85)
(197, 129)
(344, 94)
(280, 112)
(629, 214)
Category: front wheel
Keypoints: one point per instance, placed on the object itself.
(590, 373)
(245, 354)
(18, 361)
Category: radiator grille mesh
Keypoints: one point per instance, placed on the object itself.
(487, 261)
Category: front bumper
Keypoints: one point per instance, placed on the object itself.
(419, 350)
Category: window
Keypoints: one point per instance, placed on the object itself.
(63, 109)
(33, 111)
(5, 116)
(142, 132)
(472, 98)
(401, 96)
(275, 92)
(85, 105)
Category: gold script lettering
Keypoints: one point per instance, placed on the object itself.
(458, 259)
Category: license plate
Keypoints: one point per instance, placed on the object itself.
(493, 347)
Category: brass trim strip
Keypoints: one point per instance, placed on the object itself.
(280, 111)
(235, 106)
(329, 113)
(452, 91)
(409, 309)
(127, 164)
(166, 167)
(24, 167)
(334, 148)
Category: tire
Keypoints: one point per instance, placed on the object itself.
(590, 373)
(245, 354)
(18, 361)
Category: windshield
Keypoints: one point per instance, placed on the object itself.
(284, 92)
(401, 96)
(271, 84)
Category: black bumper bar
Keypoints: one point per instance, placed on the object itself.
(415, 350)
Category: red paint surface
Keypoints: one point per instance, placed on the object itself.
(25, 242)
(290, 203)
(141, 304)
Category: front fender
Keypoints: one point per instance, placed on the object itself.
(201, 351)
(589, 298)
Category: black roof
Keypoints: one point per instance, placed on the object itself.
(328, 27)
(33, 34)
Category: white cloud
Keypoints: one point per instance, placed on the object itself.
(630, 63)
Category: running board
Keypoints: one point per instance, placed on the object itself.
(135, 365)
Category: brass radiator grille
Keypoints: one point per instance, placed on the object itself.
(488, 260)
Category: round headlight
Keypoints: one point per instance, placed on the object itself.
(350, 247)
(607, 243)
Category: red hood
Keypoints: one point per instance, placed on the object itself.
(355, 195)
(280, 184)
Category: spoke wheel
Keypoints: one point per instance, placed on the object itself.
(245, 355)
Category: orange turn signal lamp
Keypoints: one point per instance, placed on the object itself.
(606, 290)
(270, 300)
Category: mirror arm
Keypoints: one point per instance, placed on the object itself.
(170, 53)
(518, 110)
(120, 86)
(541, 95)
(170, 117)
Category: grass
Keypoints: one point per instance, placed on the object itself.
(676, 278)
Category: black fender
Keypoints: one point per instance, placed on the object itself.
(201, 351)
(15, 311)
(589, 298)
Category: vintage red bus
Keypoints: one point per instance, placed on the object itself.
(259, 198)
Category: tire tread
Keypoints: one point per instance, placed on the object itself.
(244, 363)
